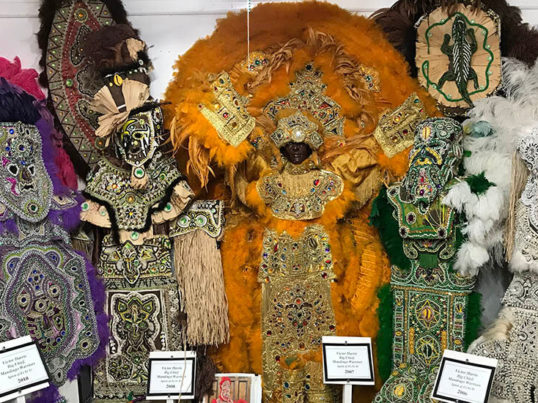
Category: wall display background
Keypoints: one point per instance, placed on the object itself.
(170, 27)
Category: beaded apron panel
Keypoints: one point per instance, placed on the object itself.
(296, 312)
(44, 293)
(429, 300)
(142, 301)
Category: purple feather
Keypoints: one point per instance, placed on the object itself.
(47, 395)
(9, 226)
(97, 289)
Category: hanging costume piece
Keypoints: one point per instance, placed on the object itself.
(285, 134)
(429, 305)
(458, 55)
(455, 47)
(47, 289)
(496, 121)
(156, 271)
(511, 339)
(71, 81)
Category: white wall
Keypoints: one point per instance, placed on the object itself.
(170, 26)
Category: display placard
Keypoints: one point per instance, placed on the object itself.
(172, 375)
(21, 369)
(464, 378)
(348, 360)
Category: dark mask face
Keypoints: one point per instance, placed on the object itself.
(25, 186)
(137, 139)
(296, 153)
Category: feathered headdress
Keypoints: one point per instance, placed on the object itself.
(225, 104)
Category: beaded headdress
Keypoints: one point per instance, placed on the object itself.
(297, 128)
(433, 160)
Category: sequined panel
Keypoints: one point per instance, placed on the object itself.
(396, 128)
(296, 313)
(228, 113)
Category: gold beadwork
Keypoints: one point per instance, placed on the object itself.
(228, 115)
(297, 128)
(297, 311)
(301, 196)
(396, 128)
(307, 94)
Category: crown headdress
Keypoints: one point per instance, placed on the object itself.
(308, 94)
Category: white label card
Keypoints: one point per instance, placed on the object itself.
(464, 378)
(348, 360)
(21, 369)
(172, 375)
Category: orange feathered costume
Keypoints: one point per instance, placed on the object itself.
(367, 78)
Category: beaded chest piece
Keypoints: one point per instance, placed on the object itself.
(131, 208)
(296, 312)
(25, 187)
(300, 196)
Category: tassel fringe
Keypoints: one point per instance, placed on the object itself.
(198, 268)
